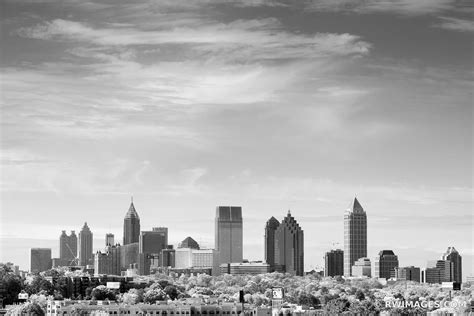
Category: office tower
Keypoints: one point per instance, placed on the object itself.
(129, 255)
(40, 259)
(68, 248)
(183, 258)
(167, 258)
(152, 242)
(355, 235)
(245, 268)
(410, 273)
(362, 268)
(385, 264)
(270, 229)
(109, 239)
(85, 246)
(228, 234)
(108, 262)
(162, 230)
(188, 242)
(456, 260)
(289, 246)
(334, 263)
(446, 268)
(131, 226)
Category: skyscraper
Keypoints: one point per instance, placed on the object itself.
(456, 261)
(131, 226)
(270, 229)
(385, 264)
(289, 246)
(228, 234)
(109, 239)
(68, 248)
(152, 242)
(334, 263)
(85, 246)
(40, 260)
(410, 273)
(355, 235)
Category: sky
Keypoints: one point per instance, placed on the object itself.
(270, 105)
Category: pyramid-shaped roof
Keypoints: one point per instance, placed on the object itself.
(132, 213)
(273, 222)
(355, 207)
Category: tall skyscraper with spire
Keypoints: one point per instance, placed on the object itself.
(85, 246)
(270, 229)
(355, 235)
(289, 246)
(228, 234)
(131, 226)
(456, 262)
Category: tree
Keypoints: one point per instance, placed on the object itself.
(101, 293)
(10, 284)
(153, 295)
(40, 285)
(171, 291)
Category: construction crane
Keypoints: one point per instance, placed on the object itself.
(75, 260)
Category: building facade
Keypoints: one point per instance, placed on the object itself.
(189, 242)
(334, 263)
(456, 261)
(131, 226)
(289, 246)
(40, 259)
(270, 229)
(245, 268)
(410, 273)
(229, 234)
(355, 235)
(385, 264)
(68, 247)
(109, 239)
(362, 267)
(168, 257)
(108, 262)
(85, 246)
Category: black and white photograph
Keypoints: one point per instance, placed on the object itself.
(236, 157)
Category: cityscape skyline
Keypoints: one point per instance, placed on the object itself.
(271, 105)
(290, 224)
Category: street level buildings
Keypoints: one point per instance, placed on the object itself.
(355, 235)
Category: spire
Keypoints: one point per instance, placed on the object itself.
(355, 206)
(289, 213)
(132, 213)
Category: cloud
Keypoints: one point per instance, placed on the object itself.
(402, 7)
(243, 39)
(456, 24)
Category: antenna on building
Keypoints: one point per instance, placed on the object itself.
(131, 199)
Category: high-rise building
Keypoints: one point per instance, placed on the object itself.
(355, 235)
(68, 248)
(40, 259)
(109, 239)
(188, 242)
(410, 273)
(289, 246)
(334, 263)
(456, 261)
(228, 234)
(167, 258)
(162, 230)
(108, 262)
(362, 267)
(270, 229)
(152, 242)
(131, 226)
(246, 268)
(85, 246)
(129, 255)
(446, 268)
(385, 264)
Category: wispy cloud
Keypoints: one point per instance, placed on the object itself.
(456, 24)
